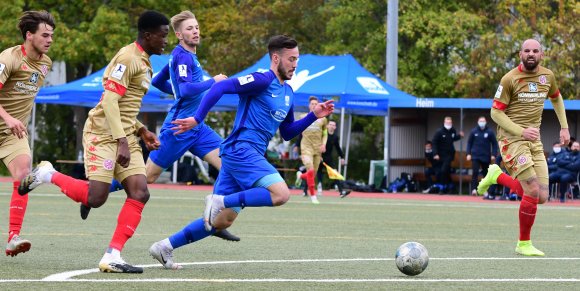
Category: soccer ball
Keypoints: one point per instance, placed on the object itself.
(412, 258)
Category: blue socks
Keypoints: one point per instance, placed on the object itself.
(193, 232)
(254, 197)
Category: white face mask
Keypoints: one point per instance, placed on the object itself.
(428, 151)
(557, 150)
(447, 126)
(482, 124)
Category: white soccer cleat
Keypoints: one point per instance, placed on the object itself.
(112, 264)
(213, 205)
(164, 255)
(40, 175)
(314, 199)
(17, 245)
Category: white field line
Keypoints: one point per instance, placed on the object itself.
(66, 276)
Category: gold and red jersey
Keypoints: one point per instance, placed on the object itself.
(20, 79)
(126, 80)
(521, 95)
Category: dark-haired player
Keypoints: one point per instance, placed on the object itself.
(246, 179)
(22, 72)
(110, 140)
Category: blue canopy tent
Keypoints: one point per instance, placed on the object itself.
(342, 78)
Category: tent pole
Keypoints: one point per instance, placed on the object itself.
(347, 144)
(340, 139)
(386, 145)
(33, 133)
(461, 150)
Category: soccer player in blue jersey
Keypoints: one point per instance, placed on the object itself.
(186, 83)
(246, 178)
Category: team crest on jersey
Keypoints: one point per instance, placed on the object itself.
(34, 77)
(108, 164)
(246, 79)
(182, 70)
(533, 87)
(522, 160)
(543, 79)
(44, 70)
(287, 100)
(2, 66)
(118, 71)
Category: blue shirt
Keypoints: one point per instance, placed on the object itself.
(187, 84)
(265, 105)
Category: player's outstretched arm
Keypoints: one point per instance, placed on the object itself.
(290, 128)
(209, 100)
(161, 81)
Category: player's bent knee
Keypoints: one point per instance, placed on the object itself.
(280, 198)
(151, 178)
(141, 196)
(95, 201)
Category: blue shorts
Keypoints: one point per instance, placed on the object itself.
(199, 141)
(244, 168)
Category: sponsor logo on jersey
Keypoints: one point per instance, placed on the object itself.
(2, 66)
(34, 78)
(533, 87)
(543, 79)
(278, 115)
(118, 71)
(246, 79)
(44, 70)
(498, 92)
(182, 70)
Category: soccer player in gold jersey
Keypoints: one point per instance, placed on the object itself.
(312, 145)
(517, 110)
(110, 140)
(22, 72)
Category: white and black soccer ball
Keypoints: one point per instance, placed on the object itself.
(412, 258)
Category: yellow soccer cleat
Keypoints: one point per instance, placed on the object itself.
(491, 178)
(525, 248)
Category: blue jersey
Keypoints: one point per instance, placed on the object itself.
(265, 105)
(187, 83)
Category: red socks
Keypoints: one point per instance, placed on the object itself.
(17, 210)
(127, 223)
(528, 208)
(514, 184)
(77, 190)
(309, 177)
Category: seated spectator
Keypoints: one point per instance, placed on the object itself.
(432, 169)
(557, 174)
(568, 167)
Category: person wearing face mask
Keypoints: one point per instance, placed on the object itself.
(433, 170)
(566, 168)
(443, 149)
(481, 151)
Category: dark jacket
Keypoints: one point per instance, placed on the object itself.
(332, 142)
(443, 142)
(434, 163)
(569, 162)
(482, 144)
(553, 159)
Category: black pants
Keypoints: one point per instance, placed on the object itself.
(444, 174)
(475, 166)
